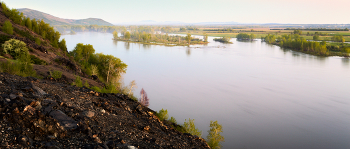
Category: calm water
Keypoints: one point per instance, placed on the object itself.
(264, 96)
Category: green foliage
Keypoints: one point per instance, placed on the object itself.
(78, 82)
(214, 137)
(7, 27)
(173, 120)
(13, 14)
(223, 39)
(191, 128)
(11, 68)
(62, 45)
(188, 38)
(38, 41)
(182, 29)
(299, 32)
(163, 114)
(243, 36)
(86, 84)
(127, 35)
(298, 43)
(95, 88)
(24, 34)
(37, 61)
(115, 35)
(28, 24)
(316, 37)
(56, 74)
(22, 68)
(15, 48)
(4, 38)
(338, 38)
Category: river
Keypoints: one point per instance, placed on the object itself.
(264, 96)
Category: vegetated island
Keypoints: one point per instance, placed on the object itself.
(297, 43)
(158, 38)
(223, 39)
(52, 98)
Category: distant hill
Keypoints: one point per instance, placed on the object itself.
(52, 20)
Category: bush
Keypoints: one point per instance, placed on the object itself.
(56, 74)
(38, 41)
(7, 27)
(191, 128)
(4, 38)
(163, 114)
(37, 61)
(173, 120)
(20, 68)
(11, 68)
(24, 34)
(78, 82)
(15, 48)
(86, 84)
(96, 88)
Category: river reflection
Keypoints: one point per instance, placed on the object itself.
(264, 96)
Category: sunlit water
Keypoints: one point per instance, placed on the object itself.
(264, 96)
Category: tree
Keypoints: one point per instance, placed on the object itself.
(163, 114)
(144, 99)
(205, 35)
(316, 37)
(115, 35)
(214, 137)
(252, 36)
(7, 27)
(191, 128)
(15, 48)
(188, 38)
(62, 45)
(127, 35)
(29, 23)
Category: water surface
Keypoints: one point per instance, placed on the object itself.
(264, 96)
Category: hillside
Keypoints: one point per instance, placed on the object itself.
(52, 20)
(40, 111)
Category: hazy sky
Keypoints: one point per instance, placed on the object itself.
(191, 11)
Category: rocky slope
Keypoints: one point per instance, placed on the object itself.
(42, 114)
(49, 113)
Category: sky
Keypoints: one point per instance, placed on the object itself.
(194, 11)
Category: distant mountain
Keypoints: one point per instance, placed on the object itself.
(52, 20)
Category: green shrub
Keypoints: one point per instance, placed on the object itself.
(37, 61)
(15, 48)
(86, 84)
(7, 27)
(191, 128)
(78, 82)
(95, 88)
(173, 120)
(11, 68)
(56, 74)
(4, 38)
(38, 41)
(163, 114)
(24, 34)
(20, 68)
